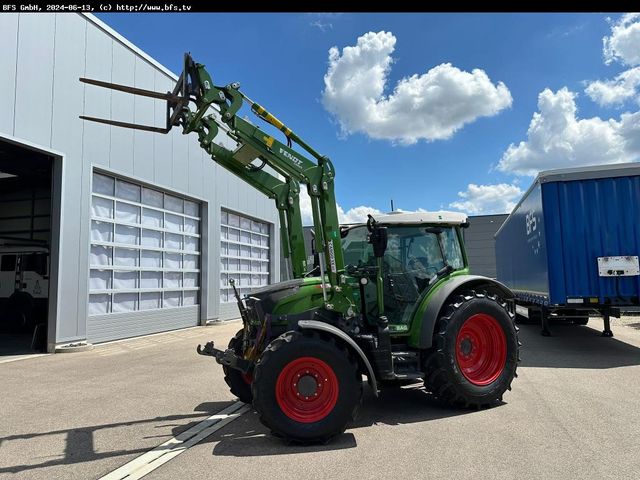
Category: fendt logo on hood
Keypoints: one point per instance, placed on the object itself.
(291, 157)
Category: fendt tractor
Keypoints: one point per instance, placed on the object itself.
(390, 298)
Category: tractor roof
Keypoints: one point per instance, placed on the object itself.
(409, 218)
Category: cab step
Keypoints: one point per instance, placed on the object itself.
(406, 365)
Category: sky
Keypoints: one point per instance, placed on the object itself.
(434, 111)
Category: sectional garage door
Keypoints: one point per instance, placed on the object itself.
(244, 256)
(144, 260)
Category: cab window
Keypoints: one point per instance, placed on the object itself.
(35, 262)
(8, 263)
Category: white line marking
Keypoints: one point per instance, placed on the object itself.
(148, 462)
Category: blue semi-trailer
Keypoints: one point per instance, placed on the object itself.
(570, 247)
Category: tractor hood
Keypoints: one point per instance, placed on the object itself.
(291, 296)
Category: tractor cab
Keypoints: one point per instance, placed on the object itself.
(421, 248)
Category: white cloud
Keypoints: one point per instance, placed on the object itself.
(356, 214)
(616, 91)
(557, 138)
(430, 106)
(353, 215)
(623, 45)
(322, 26)
(488, 199)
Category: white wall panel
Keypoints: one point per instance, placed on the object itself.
(67, 129)
(143, 142)
(195, 167)
(35, 78)
(180, 175)
(121, 153)
(97, 101)
(162, 144)
(9, 29)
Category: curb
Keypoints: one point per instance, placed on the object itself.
(74, 348)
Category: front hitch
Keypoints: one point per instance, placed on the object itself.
(227, 358)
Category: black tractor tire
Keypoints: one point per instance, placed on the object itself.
(480, 323)
(293, 366)
(239, 384)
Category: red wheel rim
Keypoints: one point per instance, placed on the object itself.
(307, 390)
(481, 349)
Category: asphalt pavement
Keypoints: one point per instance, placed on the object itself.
(572, 414)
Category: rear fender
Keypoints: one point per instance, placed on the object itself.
(437, 301)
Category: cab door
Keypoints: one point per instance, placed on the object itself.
(35, 278)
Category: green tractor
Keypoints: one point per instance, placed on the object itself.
(390, 298)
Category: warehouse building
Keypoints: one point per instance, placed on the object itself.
(108, 233)
(480, 244)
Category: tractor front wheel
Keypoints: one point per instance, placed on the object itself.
(306, 387)
(239, 383)
(475, 353)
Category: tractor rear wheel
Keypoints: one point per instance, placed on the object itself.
(306, 387)
(239, 383)
(475, 353)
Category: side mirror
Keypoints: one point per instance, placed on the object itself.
(466, 224)
(378, 239)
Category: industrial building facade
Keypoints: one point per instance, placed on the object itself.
(480, 243)
(141, 231)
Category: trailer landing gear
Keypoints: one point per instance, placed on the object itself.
(607, 324)
(544, 322)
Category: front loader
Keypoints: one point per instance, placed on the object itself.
(390, 298)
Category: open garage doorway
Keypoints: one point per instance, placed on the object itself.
(26, 179)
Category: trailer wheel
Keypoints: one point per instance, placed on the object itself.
(475, 356)
(239, 383)
(307, 387)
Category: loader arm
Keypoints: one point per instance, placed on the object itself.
(197, 105)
